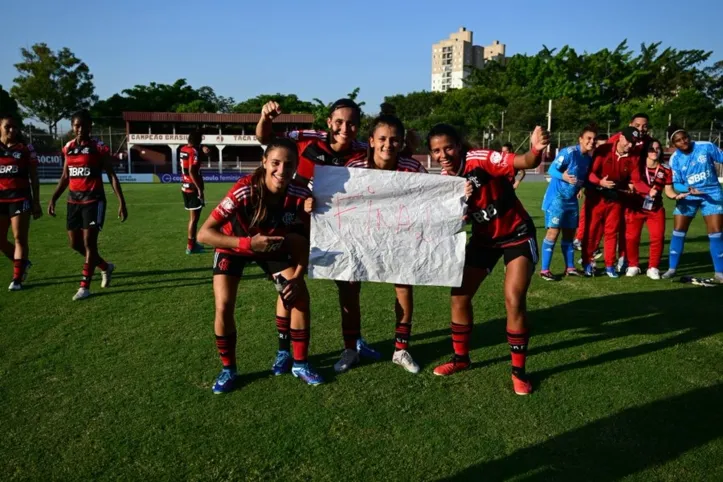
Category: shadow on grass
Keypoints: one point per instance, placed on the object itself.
(616, 446)
(687, 313)
(129, 274)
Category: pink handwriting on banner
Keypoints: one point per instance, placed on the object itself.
(394, 216)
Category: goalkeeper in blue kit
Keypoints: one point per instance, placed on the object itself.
(568, 173)
(694, 174)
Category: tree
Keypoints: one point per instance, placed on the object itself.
(8, 104)
(176, 97)
(290, 104)
(51, 86)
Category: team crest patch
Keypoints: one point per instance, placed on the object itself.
(496, 158)
(228, 204)
(288, 218)
(702, 159)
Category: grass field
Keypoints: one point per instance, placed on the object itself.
(628, 373)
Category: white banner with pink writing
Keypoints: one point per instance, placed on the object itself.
(387, 226)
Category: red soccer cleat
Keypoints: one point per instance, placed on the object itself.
(453, 366)
(521, 386)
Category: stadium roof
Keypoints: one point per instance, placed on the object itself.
(213, 118)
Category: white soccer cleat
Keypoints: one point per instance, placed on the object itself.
(621, 264)
(348, 359)
(404, 359)
(105, 276)
(632, 271)
(669, 274)
(15, 286)
(82, 294)
(653, 273)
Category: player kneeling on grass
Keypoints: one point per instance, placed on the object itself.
(262, 219)
(85, 160)
(693, 166)
(501, 228)
(18, 196)
(385, 143)
(568, 173)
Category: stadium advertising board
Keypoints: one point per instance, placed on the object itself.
(209, 139)
(207, 177)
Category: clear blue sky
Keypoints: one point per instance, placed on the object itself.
(325, 49)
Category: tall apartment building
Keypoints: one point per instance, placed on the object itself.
(452, 57)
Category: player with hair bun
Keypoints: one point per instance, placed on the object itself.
(386, 141)
(501, 229)
(85, 159)
(694, 174)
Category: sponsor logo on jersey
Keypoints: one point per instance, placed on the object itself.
(701, 176)
(12, 169)
(79, 171)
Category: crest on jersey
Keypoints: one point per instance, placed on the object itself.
(702, 159)
(17, 155)
(496, 158)
(660, 175)
(228, 204)
(85, 150)
(289, 218)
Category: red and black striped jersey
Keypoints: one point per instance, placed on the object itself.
(188, 157)
(404, 164)
(85, 169)
(237, 211)
(645, 178)
(498, 217)
(15, 162)
(314, 149)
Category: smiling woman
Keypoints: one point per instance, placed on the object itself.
(262, 220)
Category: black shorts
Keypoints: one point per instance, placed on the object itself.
(191, 201)
(86, 216)
(233, 265)
(486, 258)
(15, 208)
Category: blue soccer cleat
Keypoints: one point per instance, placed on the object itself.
(307, 374)
(197, 249)
(610, 271)
(225, 382)
(365, 351)
(590, 270)
(282, 364)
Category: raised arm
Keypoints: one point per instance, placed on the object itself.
(263, 129)
(539, 140)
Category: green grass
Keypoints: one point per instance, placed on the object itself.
(628, 374)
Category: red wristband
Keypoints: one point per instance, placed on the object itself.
(535, 152)
(244, 243)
